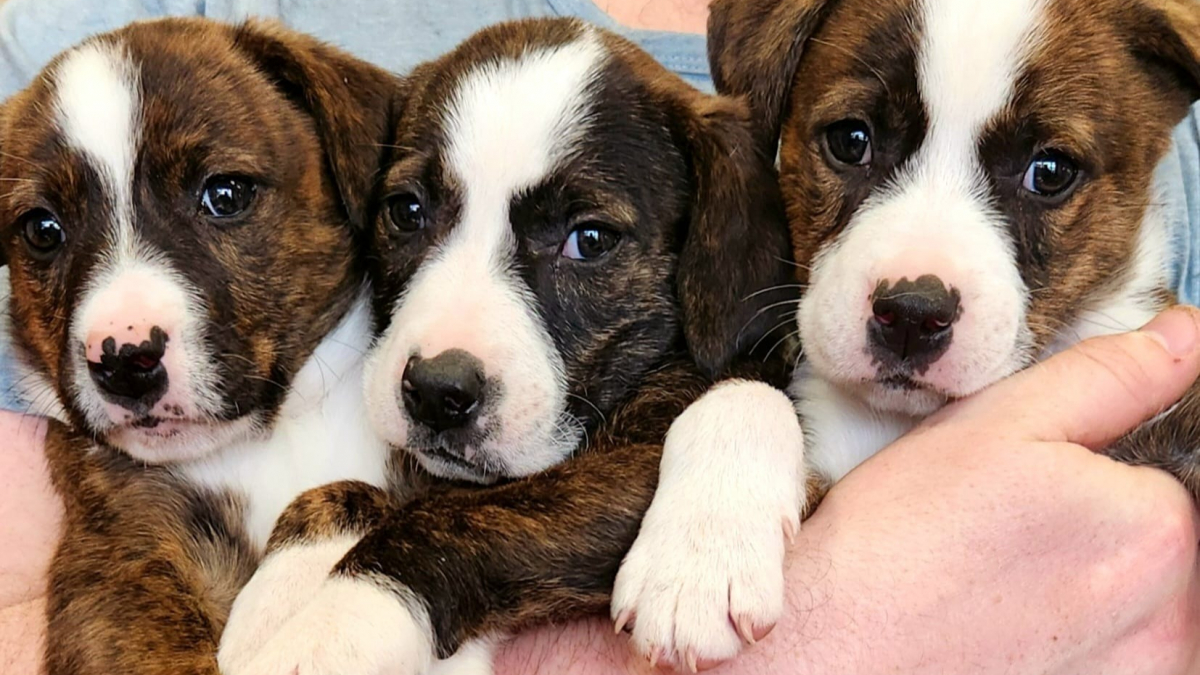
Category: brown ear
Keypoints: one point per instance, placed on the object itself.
(735, 278)
(1167, 32)
(353, 102)
(754, 47)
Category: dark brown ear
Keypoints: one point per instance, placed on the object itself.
(735, 278)
(754, 47)
(1167, 33)
(3, 126)
(353, 102)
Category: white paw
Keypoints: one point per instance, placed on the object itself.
(353, 626)
(706, 571)
(283, 584)
(472, 658)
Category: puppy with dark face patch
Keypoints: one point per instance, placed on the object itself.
(969, 189)
(563, 226)
(179, 219)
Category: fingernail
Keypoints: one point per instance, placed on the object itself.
(1176, 329)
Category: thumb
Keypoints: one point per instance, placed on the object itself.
(1102, 388)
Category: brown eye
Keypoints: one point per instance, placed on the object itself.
(849, 142)
(1050, 174)
(44, 235)
(227, 196)
(406, 212)
(589, 242)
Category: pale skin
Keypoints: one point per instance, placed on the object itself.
(990, 540)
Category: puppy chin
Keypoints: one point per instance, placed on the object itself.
(179, 441)
(911, 402)
(453, 470)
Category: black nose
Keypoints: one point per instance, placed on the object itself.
(133, 376)
(913, 320)
(443, 392)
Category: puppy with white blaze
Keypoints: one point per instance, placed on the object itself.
(969, 187)
(570, 246)
(180, 216)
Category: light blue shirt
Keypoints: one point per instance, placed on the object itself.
(399, 34)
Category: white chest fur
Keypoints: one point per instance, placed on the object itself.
(321, 435)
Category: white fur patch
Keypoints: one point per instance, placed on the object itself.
(510, 124)
(472, 658)
(138, 293)
(841, 431)
(99, 113)
(710, 553)
(321, 434)
(351, 625)
(283, 584)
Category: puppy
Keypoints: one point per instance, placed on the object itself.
(179, 211)
(969, 189)
(563, 227)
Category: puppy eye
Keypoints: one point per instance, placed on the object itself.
(44, 235)
(406, 212)
(589, 242)
(849, 142)
(227, 196)
(1050, 174)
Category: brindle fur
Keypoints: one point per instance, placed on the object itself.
(148, 566)
(803, 64)
(682, 167)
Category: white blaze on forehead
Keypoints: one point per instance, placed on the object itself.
(509, 125)
(97, 109)
(511, 122)
(969, 58)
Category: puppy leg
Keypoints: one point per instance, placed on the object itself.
(706, 571)
(310, 537)
(468, 563)
(135, 588)
(1170, 442)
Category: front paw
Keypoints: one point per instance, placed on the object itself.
(352, 626)
(285, 582)
(706, 571)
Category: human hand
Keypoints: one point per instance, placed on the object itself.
(30, 520)
(990, 540)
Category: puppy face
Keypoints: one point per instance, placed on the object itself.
(176, 247)
(540, 227)
(967, 183)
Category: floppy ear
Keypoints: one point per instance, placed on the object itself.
(754, 47)
(3, 256)
(353, 102)
(1167, 32)
(735, 279)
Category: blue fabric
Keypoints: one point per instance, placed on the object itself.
(1179, 189)
(397, 34)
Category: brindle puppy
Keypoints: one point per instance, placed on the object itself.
(178, 217)
(564, 227)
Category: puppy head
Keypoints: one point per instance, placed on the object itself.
(560, 214)
(967, 183)
(177, 219)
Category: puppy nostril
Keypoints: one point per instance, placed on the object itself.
(144, 361)
(885, 318)
(933, 325)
